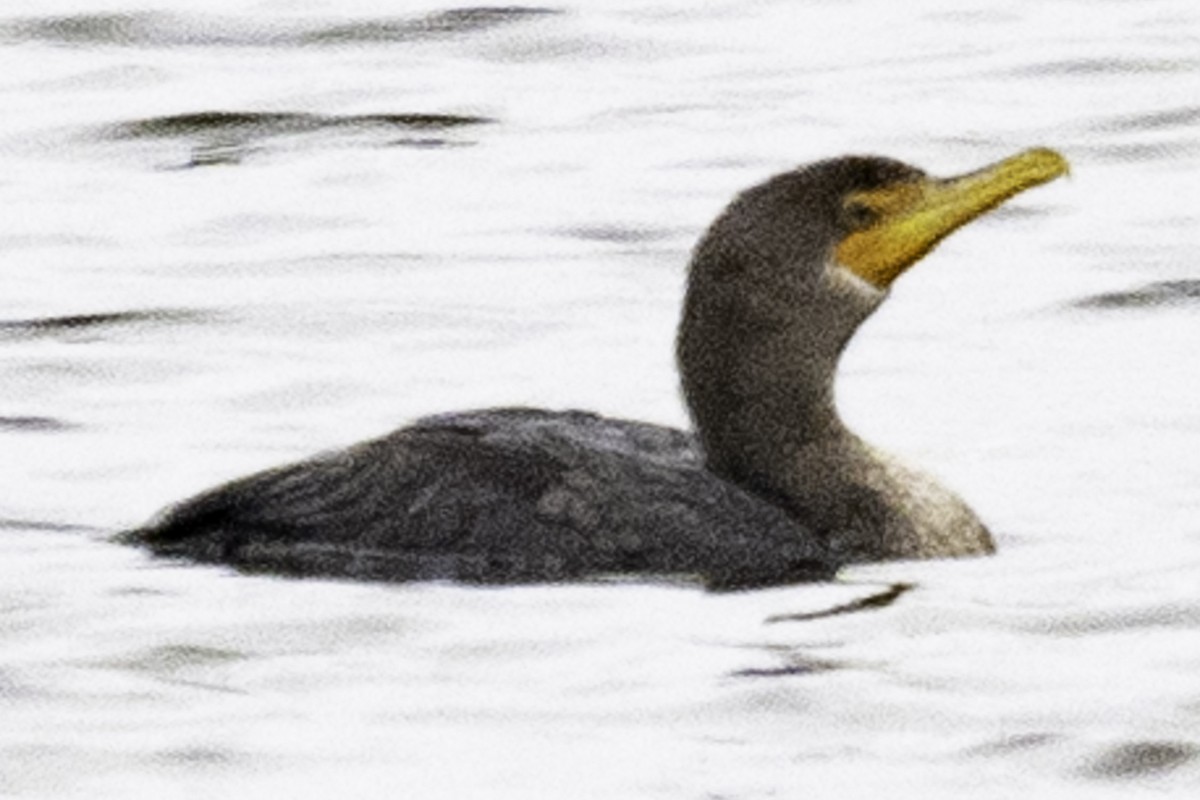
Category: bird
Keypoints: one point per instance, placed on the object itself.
(768, 488)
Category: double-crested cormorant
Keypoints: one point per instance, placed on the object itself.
(772, 488)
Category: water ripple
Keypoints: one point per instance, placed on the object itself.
(260, 125)
(1093, 67)
(226, 137)
(34, 424)
(1155, 120)
(1158, 294)
(452, 22)
(158, 29)
(1142, 759)
(72, 323)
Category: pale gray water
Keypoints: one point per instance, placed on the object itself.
(269, 286)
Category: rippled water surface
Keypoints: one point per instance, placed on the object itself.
(235, 234)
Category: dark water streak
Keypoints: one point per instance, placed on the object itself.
(228, 137)
(74, 323)
(1159, 294)
(160, 29)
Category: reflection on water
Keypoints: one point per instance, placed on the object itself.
(344, 263)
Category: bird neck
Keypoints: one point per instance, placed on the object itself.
(758, 364)
(758, 372)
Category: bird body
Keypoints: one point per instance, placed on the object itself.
(498, 496)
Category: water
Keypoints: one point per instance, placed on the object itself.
(414, 209)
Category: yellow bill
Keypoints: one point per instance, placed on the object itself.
(908, 219)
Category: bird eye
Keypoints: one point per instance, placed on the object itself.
(859, 216)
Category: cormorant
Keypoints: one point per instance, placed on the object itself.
(771, 488)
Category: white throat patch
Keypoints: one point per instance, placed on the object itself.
(843, 281)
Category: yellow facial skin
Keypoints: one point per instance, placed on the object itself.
(911, 218)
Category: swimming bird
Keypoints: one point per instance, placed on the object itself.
(770, 488)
